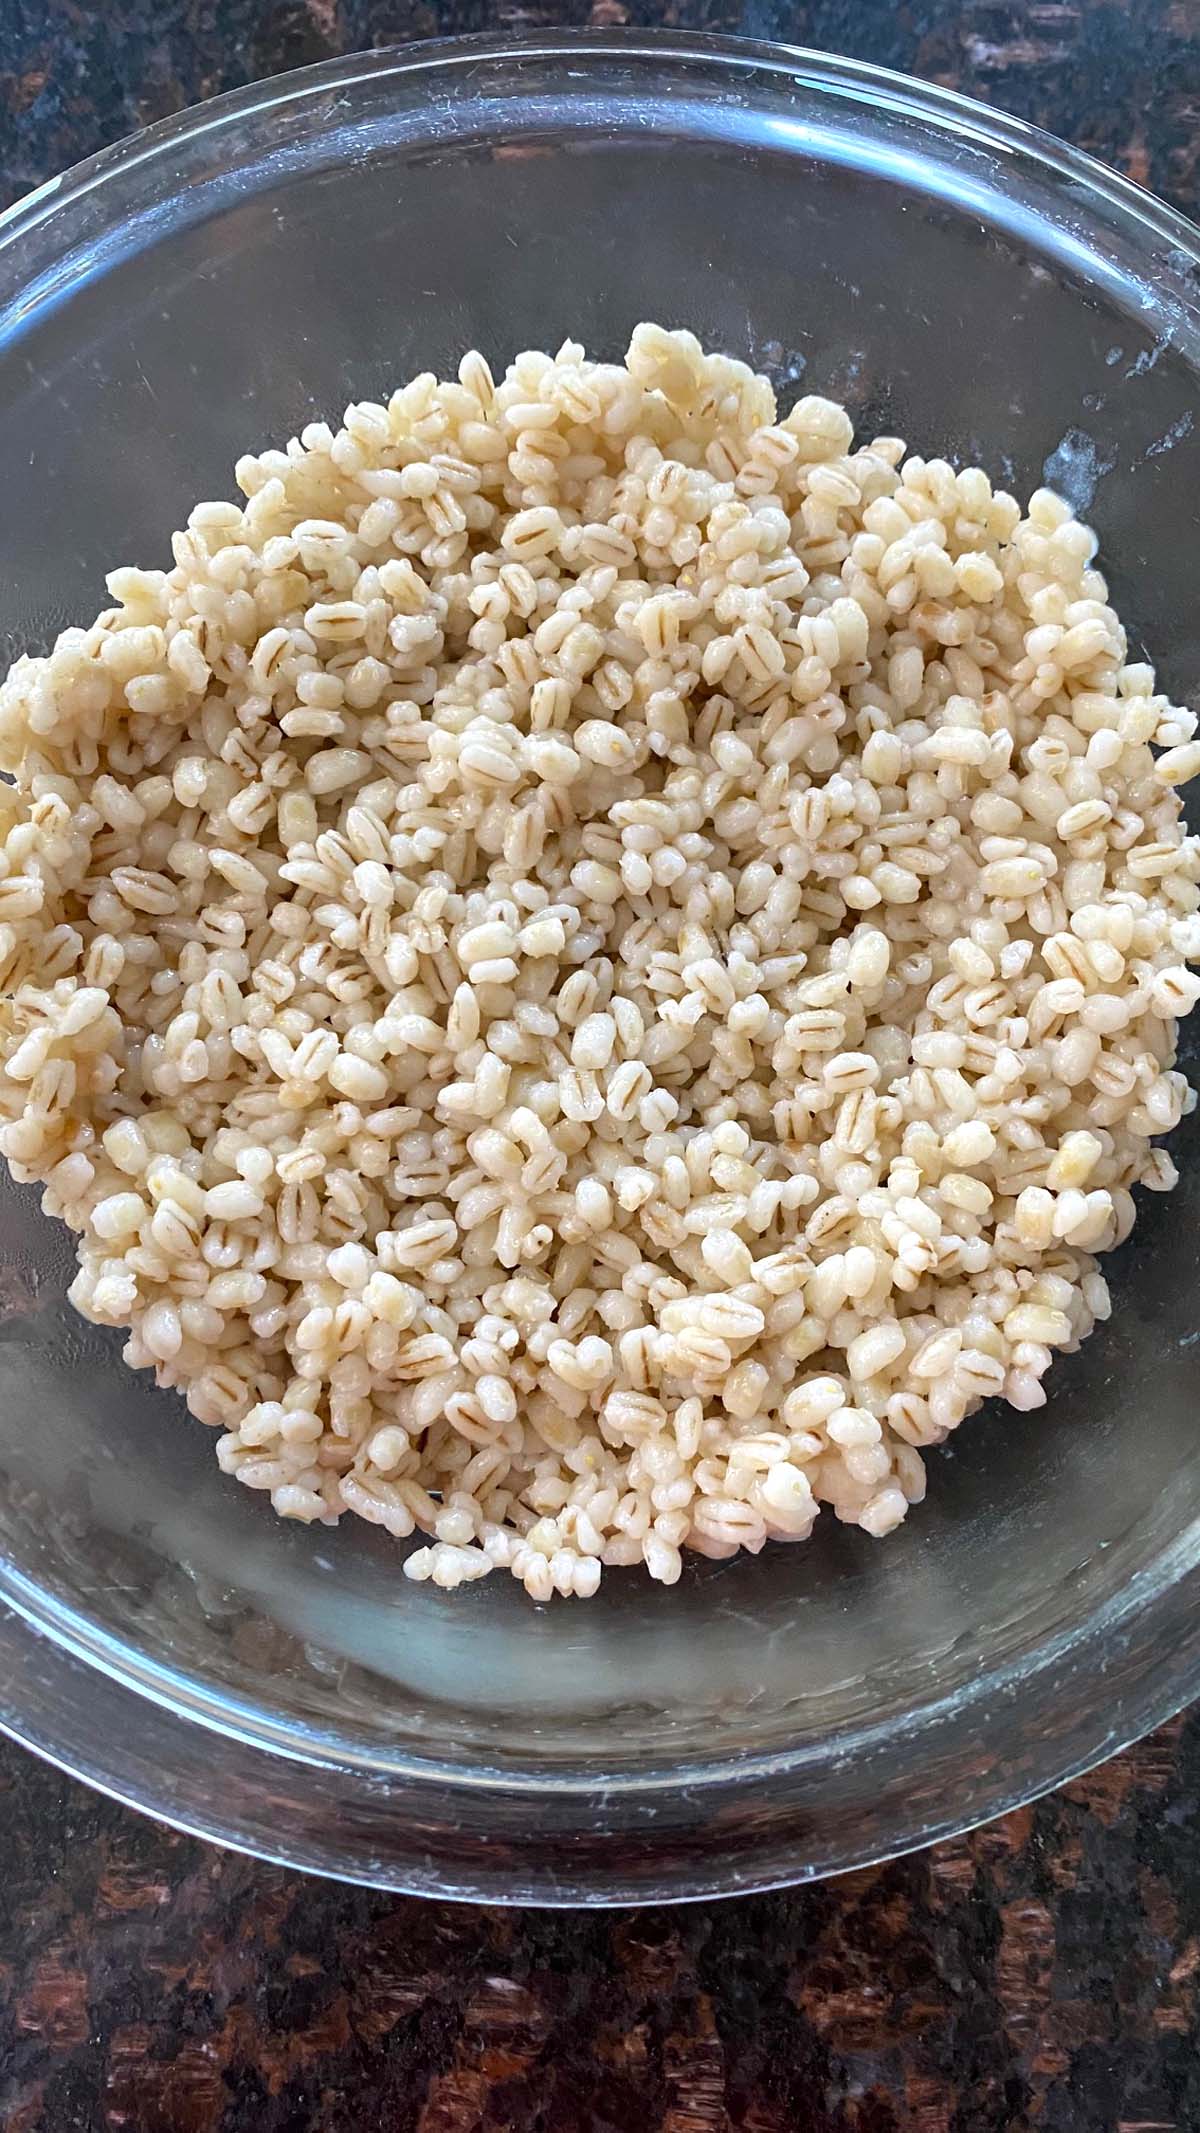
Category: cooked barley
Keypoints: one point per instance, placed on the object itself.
(592, 965)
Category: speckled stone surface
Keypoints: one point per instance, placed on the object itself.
(1044, 1972)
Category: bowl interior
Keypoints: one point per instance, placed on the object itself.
(324, 245)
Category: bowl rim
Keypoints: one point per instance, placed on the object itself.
(37, 1630)
(832, 72)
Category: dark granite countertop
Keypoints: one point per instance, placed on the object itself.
(1044, 1972)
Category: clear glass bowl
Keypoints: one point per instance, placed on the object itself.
(957, 278)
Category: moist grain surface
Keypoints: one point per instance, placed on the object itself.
(594, 965)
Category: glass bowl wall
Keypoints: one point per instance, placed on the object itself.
(953, 276)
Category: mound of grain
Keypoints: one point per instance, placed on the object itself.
(592, 966)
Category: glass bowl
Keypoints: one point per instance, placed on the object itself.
(955, 277)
